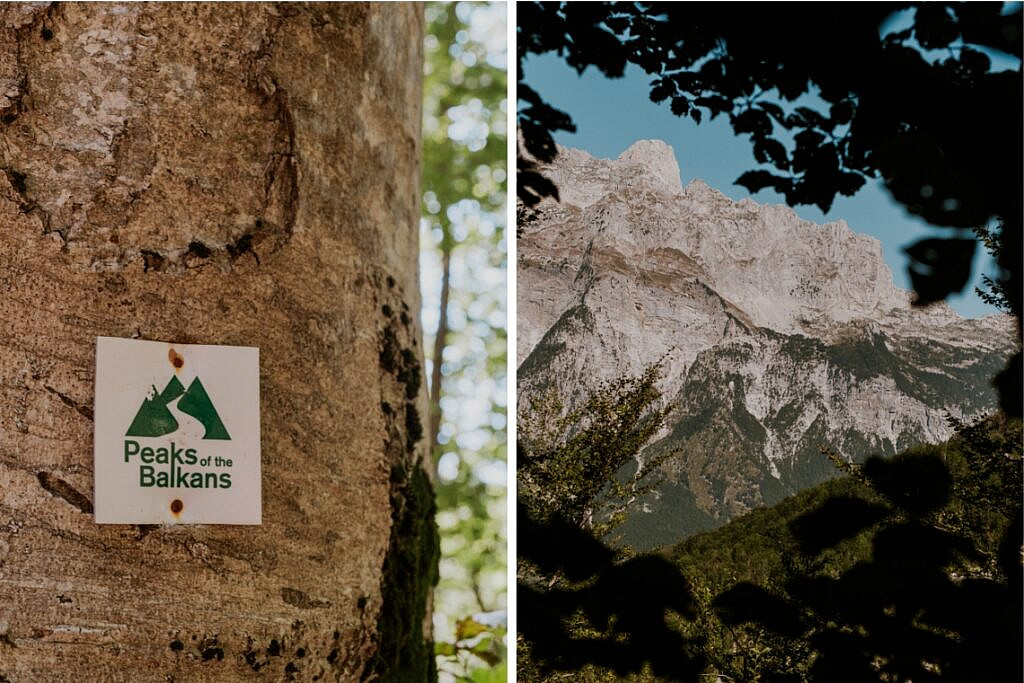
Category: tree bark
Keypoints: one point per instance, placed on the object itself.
(220, 174)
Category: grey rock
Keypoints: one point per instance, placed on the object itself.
(778, 336)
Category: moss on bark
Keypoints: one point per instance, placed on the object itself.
(405, 652)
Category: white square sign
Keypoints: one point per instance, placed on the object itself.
(177, 433)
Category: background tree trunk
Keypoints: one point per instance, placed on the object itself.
(222, 174)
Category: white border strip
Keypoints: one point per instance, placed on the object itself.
(510, 531)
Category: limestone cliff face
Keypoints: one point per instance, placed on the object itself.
(778, 336)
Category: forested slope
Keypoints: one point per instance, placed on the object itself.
(905, 568)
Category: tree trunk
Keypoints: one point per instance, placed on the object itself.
(440, 342)
(220, 174)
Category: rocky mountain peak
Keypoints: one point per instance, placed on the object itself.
(698, 187)
(777, 336)
(658, 158)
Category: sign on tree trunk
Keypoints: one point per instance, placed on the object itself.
(176, 462)
(216, 174)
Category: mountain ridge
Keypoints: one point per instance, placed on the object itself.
(631, 268)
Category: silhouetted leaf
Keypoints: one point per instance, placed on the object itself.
(1009, 385)
(918, 543)
(533, 187)
(681, 105)
(849, 183)
(753, 121)
(805, 117)
(973, 63)
(939, 267)
(934, 26)
(846, 657)
(756, 181)
(836, 520)
(775, 111)
(769, 150)
(661, 90)
(841, 112)
(918, 483)
(746, 602)
(714, 104)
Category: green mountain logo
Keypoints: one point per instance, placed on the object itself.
(155, 419)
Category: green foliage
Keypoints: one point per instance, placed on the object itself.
(581, 609)
(868, 354)
(409, 573)
(840, 530)
(995, 293)
(475, 641)
(549, 348)
(463, 260)
(463, 159)
(985, 463)
(568, 460)
(903, 569)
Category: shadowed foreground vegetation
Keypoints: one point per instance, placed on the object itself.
(907, 568)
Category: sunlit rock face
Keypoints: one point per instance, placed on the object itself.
(778, 337)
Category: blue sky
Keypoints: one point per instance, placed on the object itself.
(612, 114)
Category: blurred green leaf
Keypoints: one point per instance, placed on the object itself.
(497, 674)
(465, 182)
(467, 628)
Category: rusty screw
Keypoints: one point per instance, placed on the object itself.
(176, 360)
(176, 506)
